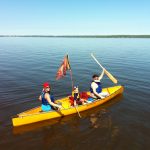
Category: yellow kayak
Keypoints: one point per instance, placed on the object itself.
(35, 115)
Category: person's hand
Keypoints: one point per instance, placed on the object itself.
(59, 107)
(75, 104)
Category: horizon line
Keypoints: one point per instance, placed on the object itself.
(96, 36)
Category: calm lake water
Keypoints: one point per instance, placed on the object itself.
(123, 123)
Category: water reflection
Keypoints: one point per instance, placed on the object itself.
(100, 119)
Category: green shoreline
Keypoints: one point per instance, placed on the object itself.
(81, 36)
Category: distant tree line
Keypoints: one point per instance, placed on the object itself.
(82, 36)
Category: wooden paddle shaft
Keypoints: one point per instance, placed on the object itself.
(97, 61)
(77, 111)
(106, 72)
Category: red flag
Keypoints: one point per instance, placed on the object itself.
(63, 68)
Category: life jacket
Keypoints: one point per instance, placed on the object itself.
(98, 89)
(44, 101)
(75, 95)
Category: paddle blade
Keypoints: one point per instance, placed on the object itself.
(111, 77)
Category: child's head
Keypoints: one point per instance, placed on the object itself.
(76, 90)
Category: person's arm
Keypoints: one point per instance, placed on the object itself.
(47, 97)
(101, 76)
(75, 103)
(40, 97)
(96, 94)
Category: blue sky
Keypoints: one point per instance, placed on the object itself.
(74, 17)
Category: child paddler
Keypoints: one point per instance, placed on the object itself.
(76, 96)
(47, 99)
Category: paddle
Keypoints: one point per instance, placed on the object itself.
(77, 111)
(111, 77)
(68, 107)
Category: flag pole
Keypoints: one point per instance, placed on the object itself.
(71, 79)
(62, 71)
(72, 86)
(70, 72)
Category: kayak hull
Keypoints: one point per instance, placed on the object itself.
(36, 115)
